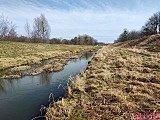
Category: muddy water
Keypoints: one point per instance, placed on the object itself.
(21, 99)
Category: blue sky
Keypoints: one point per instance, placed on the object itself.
(102, 19)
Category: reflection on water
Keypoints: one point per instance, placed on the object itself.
(45, 78)
(2, 89)
(4, 84)
(21, 99)
(86, 56)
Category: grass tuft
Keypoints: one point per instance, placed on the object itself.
(118, 83)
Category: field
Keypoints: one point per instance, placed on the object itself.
(121, 80)
(16, 57)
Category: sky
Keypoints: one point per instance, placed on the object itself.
(102, 19)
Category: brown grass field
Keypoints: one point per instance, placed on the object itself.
(16, 57)
(122, 79)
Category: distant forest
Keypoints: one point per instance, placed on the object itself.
(151, 27)
(40, 33)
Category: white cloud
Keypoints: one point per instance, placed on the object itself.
(103, 24)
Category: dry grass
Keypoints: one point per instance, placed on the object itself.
(54, 66)
(150, 43)
(71, 106)
(13, 55)
(118, 82)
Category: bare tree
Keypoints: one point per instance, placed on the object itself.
(152, 26)
(4, 26)
(45, 27)
(41, 28)
(7, 28)
(27, 29)
(158, 17)
(12, 31)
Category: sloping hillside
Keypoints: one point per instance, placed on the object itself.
(121, 80)
(151, 43)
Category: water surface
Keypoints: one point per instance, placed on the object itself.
(21, 99)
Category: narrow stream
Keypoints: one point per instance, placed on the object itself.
(21, 99)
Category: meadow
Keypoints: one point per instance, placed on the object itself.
(18, 56)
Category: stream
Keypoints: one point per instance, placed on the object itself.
(21, 99)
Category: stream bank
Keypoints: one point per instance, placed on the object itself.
(23, 98)
(33, 67)
(119, 83)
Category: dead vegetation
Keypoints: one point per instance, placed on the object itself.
(118, 83)
(150, 43)
(16, 58)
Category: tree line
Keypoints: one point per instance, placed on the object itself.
(79, 40)
(151, 27)
(38, 33)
